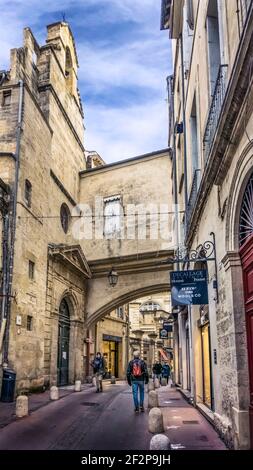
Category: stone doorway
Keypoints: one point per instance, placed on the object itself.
(63, 344)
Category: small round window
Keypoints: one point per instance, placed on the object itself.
(65, 217)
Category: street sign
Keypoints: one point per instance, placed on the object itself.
(167, 325)
(189, 287)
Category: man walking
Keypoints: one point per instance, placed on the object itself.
(99, 367)
(137, 377)
(157, 371)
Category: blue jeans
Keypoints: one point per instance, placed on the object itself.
(138, 386)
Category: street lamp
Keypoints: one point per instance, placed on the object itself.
(113, 277)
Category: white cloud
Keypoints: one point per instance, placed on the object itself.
(107, 68)
(118, 134)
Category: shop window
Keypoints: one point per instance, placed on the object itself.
(29, 323)
(28, 193)
(31, 269)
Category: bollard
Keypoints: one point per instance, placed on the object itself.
(155, 421)
(151, 386)
(22, 406)
(78, 386)
(164, 382)
(157, 383)
(54, 393)
(113, 380)
(160, 442)
(153, 399)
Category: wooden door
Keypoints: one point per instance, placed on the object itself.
(247, 266)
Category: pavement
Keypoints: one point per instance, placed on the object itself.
(103, 421)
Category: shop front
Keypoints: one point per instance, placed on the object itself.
(111, 352)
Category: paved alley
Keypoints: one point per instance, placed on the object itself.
(90, 421)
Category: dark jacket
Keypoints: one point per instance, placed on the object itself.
(99, 365)
(166, 370)
(144, 372)
(157, 368)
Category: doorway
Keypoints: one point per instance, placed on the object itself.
(246, 253)
(63, 344)
(111, 355)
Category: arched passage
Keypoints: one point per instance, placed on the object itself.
(124, 299)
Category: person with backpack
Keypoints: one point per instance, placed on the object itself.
(99, 368)
(137, 377)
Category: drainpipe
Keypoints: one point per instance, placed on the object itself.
(7, 309)
(184, 124)
(170, 88)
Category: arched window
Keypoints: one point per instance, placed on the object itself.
(68, 62)
(28, 193)
(150, 307)
(65, 217)
(246, 214)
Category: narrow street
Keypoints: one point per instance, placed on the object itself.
(90, 421)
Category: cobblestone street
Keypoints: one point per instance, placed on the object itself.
(90, 421)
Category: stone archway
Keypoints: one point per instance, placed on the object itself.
(121, 299)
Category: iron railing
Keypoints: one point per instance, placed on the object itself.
(243, 9)
(193, 195)
(215, 110)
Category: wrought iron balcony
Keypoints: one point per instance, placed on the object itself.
(215, 110)
(193, 195)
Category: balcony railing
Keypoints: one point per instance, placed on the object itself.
(215, 110)
(193, 194)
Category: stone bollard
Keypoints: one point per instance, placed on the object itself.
(22, 406)
(113, 380)
(151, 386)
(160, 442)
(94, 382)
(78, 386)
(54, 393)
(164, 382)
(155, 421)
(153, 399)
(157, 383)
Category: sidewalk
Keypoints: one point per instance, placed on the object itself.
(184, 425)
(36, 401)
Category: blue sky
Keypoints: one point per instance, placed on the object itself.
(124, 59)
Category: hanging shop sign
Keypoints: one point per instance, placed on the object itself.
(189, 287)
(168, 326)
(163, 334)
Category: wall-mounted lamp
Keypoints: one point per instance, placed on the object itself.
(113, 277)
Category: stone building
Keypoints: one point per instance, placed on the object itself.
(111, 339)
(146, 316)
(57, 285)
(211, 132)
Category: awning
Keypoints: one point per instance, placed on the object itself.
(164, 355)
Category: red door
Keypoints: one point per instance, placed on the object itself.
(247, 265)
